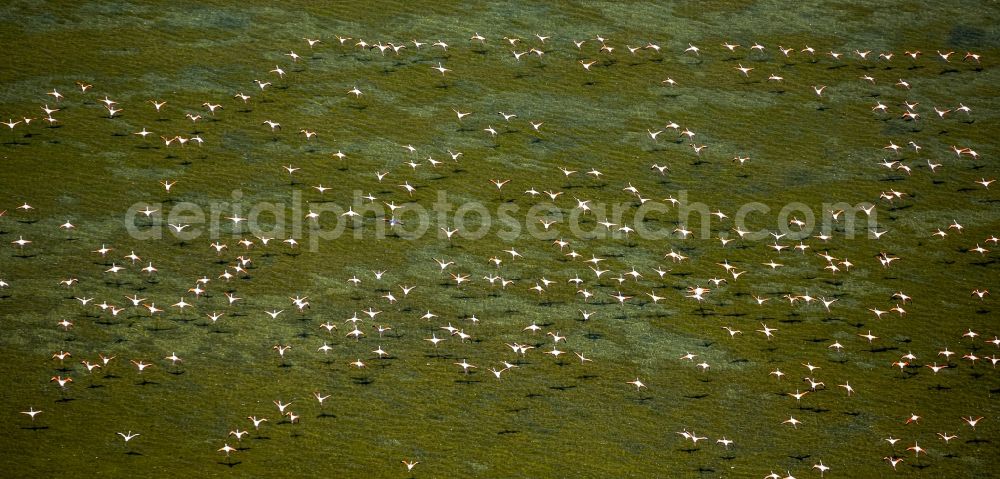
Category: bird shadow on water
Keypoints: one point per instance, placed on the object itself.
(362, 380)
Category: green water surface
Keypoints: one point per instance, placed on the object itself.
(549, 416)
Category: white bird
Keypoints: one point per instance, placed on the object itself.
(441, 68)
(31, 412)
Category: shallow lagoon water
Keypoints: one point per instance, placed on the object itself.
(550, 417)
